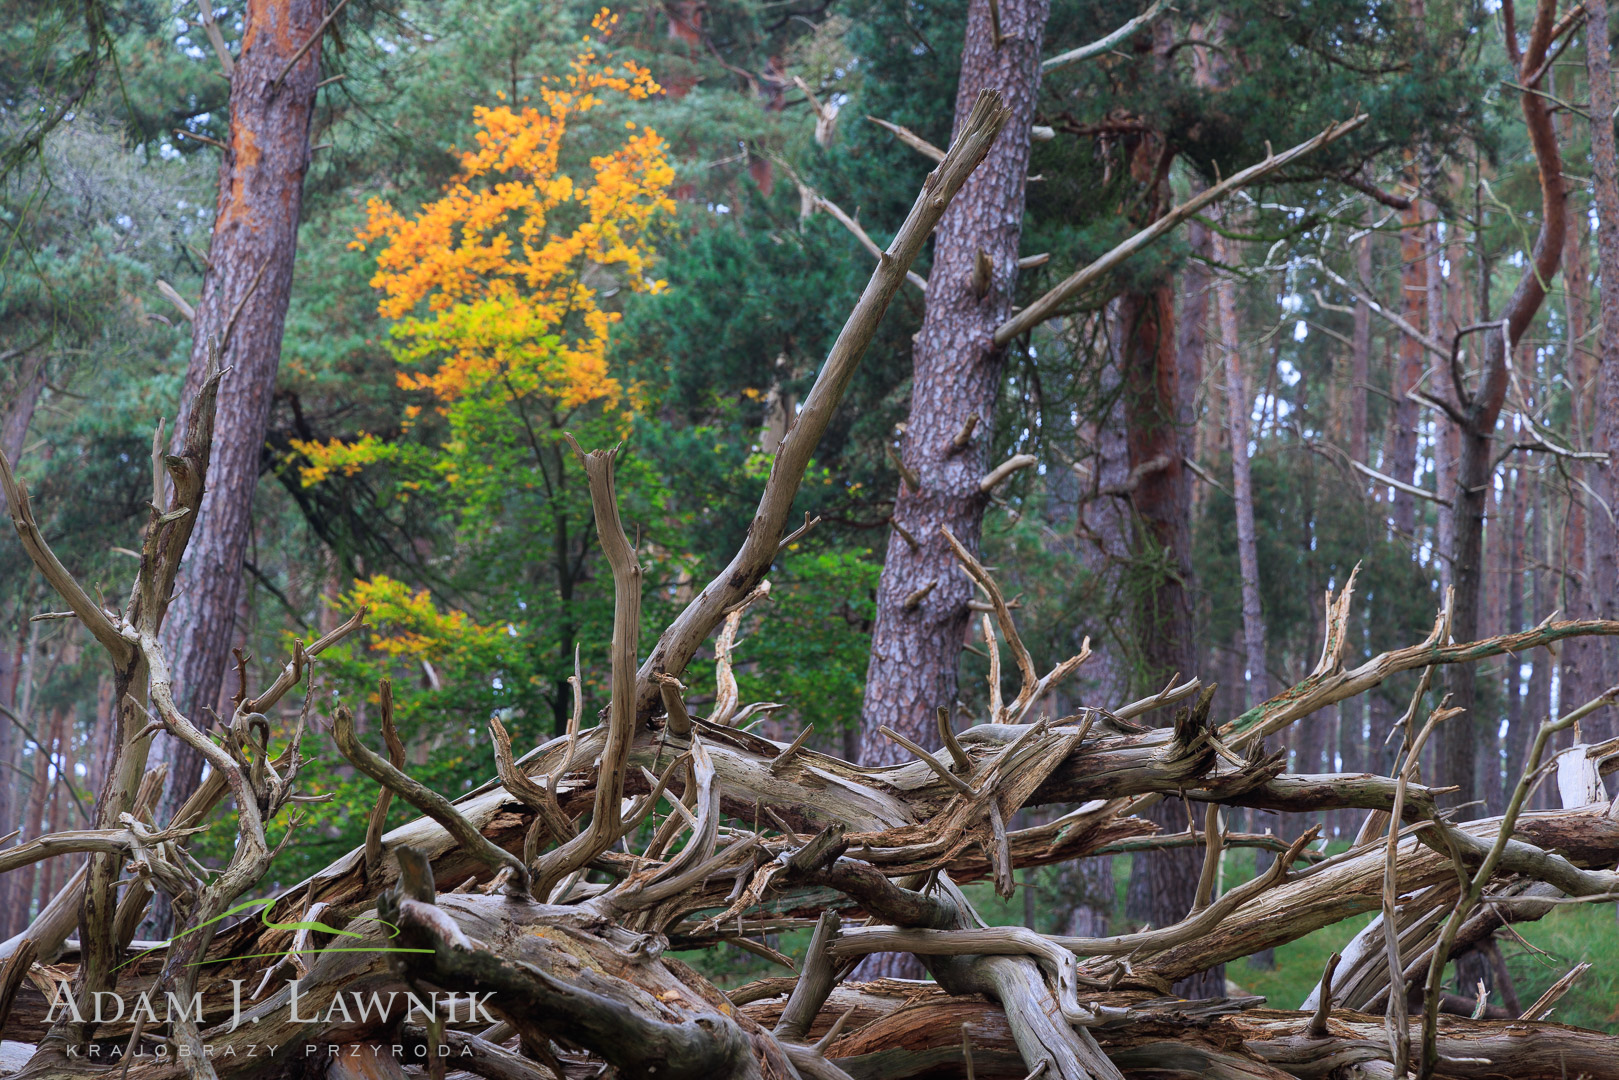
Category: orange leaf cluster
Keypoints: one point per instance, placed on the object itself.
(494, 286)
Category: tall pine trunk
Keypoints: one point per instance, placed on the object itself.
(1603, 535)
(245, 292)
(1360, 353)
(1400, 460)
(922, 598)
(1156, 399)
(16, 414)
(916, 642)
(1482, 410)
(1238, 404)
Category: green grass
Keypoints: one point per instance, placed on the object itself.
(1572, 933)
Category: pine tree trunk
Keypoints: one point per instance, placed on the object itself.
(1512, 684)
(1487, 758)
(33, 823)
(1360, 353)
(244, 294)
(1238, 403)
(917, 639)
(1538, 701)
(1086, 887)
(1603, 536)
(1162, 884)
(1446, 446)
(1401, 457)
(922, 598)
(1481, 412)
(22, 398)
(61, 758)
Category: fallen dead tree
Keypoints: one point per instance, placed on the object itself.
(541, 908)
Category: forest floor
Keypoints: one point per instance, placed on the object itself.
(1569, 935)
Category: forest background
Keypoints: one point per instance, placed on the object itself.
(687, 182)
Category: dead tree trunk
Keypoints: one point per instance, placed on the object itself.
(922, 599)
(1479, 406)
(243, 309)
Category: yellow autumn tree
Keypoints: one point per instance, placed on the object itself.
(494, 292)
(493, 288)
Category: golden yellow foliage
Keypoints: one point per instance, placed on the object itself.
(493, 286)
(408, 625)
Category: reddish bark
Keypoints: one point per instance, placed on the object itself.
(249, 280)
(1602, 535)
(1162, 885)
(1239, 403)
(33, 824)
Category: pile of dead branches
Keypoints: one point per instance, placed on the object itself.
(529, 895)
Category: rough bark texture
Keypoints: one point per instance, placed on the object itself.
(1603, 535)
(244, 304)
(1482, 410)
(915, 646)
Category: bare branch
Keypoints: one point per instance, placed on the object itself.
(996, 476)
(910, 138)
(1003, 616)
(1102, 45)
(426, 800)
(1051, 303)
(396, 757)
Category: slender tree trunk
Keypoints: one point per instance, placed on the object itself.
(1446, 447)
(1512, 683)
(1402, 454)
(1086, 886)
(1538, 701)
(917, 639)
(244, 305)
(33, 824)
(1360, 353)
(1239, 402)
(922, 598)
(1483, 410)
(17, 412)
(1487, 758)
(1163, 884)
(14, 893)
(60, 742)
(1603, 535)
(1581, 675)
